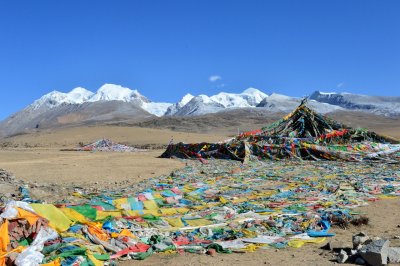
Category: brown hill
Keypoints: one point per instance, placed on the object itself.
(230, 122)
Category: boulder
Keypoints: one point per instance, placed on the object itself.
(359, 261)
(376, 252)
(336, 245)
(342, 257)
(360, 239)
(394, 255)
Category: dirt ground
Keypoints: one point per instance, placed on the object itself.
(136, 136)
(37, 158)
(84, 168)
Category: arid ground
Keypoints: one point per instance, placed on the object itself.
(37, 158)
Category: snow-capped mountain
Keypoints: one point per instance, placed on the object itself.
(157, 109)
(80, 106)
(251, 97)
(55, 98)
(107, 92)
(203, 104)
(111, 92)
(382, 105)
(171, 110)
(248, 98)
(115, 103)
(282, 103)
(80, 95)
(199, 105)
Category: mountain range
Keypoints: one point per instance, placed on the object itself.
(114, 103)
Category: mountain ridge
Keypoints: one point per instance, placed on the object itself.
(115, 103)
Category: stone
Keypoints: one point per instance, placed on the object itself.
(359, 261)
(212, 252)
(359, 240)
(342, 257)
(376, 252)
(6, 176)
(353, 252)
(394, 255)
(337, 245)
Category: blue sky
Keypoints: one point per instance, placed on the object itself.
(168, 48)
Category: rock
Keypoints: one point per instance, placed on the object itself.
(353, 252)
(6, 176)
(336, 245)
(376, 252)
(394, 255)
(212, 252)
(342, 257)
(359, 240)
(359, 261)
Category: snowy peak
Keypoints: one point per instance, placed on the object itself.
(229, 100)
(55, 98)
(376, 104)
(203, 104)
(80, 95)
(191, 105)
(107, 92)
(157, 109)
(253, 91)
(282, 103)
(185, 99)
(199, 105)
(111, 92)
(248, 98)
(172, 109)
(202, 98)
(255, 94)
(50, 100)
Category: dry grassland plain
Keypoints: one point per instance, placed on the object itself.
(38, 158)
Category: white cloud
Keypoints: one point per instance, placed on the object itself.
(214, 78)
(340, 85)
